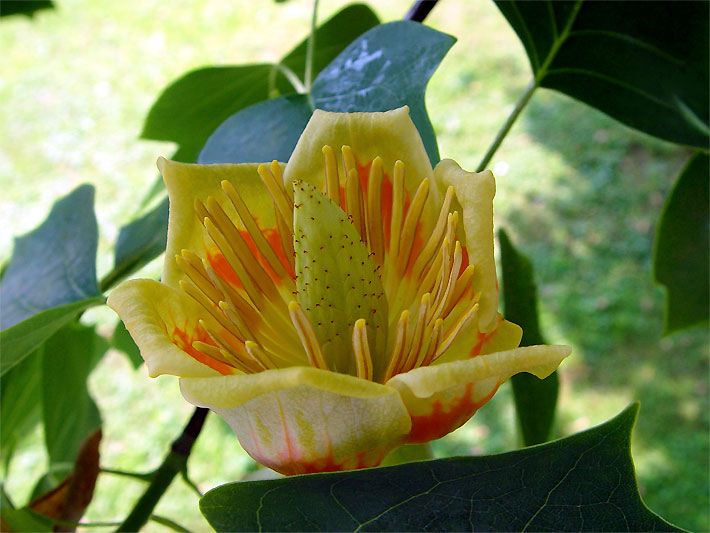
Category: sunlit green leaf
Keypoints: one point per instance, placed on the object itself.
(69, 413)
(55, 264)
(682, 257)
(643, 63)
(386, 68)
(583, 482)
(22, 339)
(20, 402)
(535, 399)
(22, 519)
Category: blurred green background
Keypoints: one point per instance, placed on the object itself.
(578, 192)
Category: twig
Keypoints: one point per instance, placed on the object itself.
(174, 463)
(419, 10)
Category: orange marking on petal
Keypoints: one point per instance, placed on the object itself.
(482, 338)
(223, 269)
(184, 340)
(464, 259)
(441, 422)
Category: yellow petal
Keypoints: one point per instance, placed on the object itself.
(160, 320)
(441, 398)
(475, 192)
(472, 343)
(391, 135)
(300, 420)
(186, 183)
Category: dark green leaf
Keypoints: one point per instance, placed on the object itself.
(28, 8)
(269, 130)
(581, 483)
(54, 264)
(20, 402)
(387, 67)
(190, 109)
(331, 38)
(535, 399)
(122, 341)
(22, 339)
(139, 242)
(643, 63)
(70, 415)
(681, 256)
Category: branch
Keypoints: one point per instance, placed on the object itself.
(419, 10)
(174, 463)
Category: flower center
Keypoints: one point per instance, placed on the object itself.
(397, 298)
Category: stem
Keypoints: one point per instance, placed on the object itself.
(505, 129)
(135, 475)
(419, 10)
(310, 49)
(174, 463)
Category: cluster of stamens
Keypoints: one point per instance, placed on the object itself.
(249, 291)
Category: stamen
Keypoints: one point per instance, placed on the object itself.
(235, 240)
(437, 234)
(278, 194)
(399, 345)
(348, 160)
(410, 225)
(189, 288)
(232, 258)
(448, 291)
(375, 235)
(259, 355)
(361, 349)
(220, 355)
(435, 339)
(251, 226)
(332, 181)
(450, 336)
(191, 266)
(397, 207)
(307, 336)
(417, 336)
(354, 203)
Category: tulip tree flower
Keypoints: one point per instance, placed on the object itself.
(336, 307)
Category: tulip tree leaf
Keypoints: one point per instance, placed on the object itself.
(55, 264)
(681, 256)
(383, 70)
(337, 281)
(264, 132)
(20, 402)
(28, 8)
(139, 242)
(192, 107)
(331, 38)
(122, 341)
(583, 482)
(643, 63)
(69, 413)
(23, 519)
(22, 339)
(535, 399)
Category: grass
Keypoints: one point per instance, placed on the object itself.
(578, 192)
